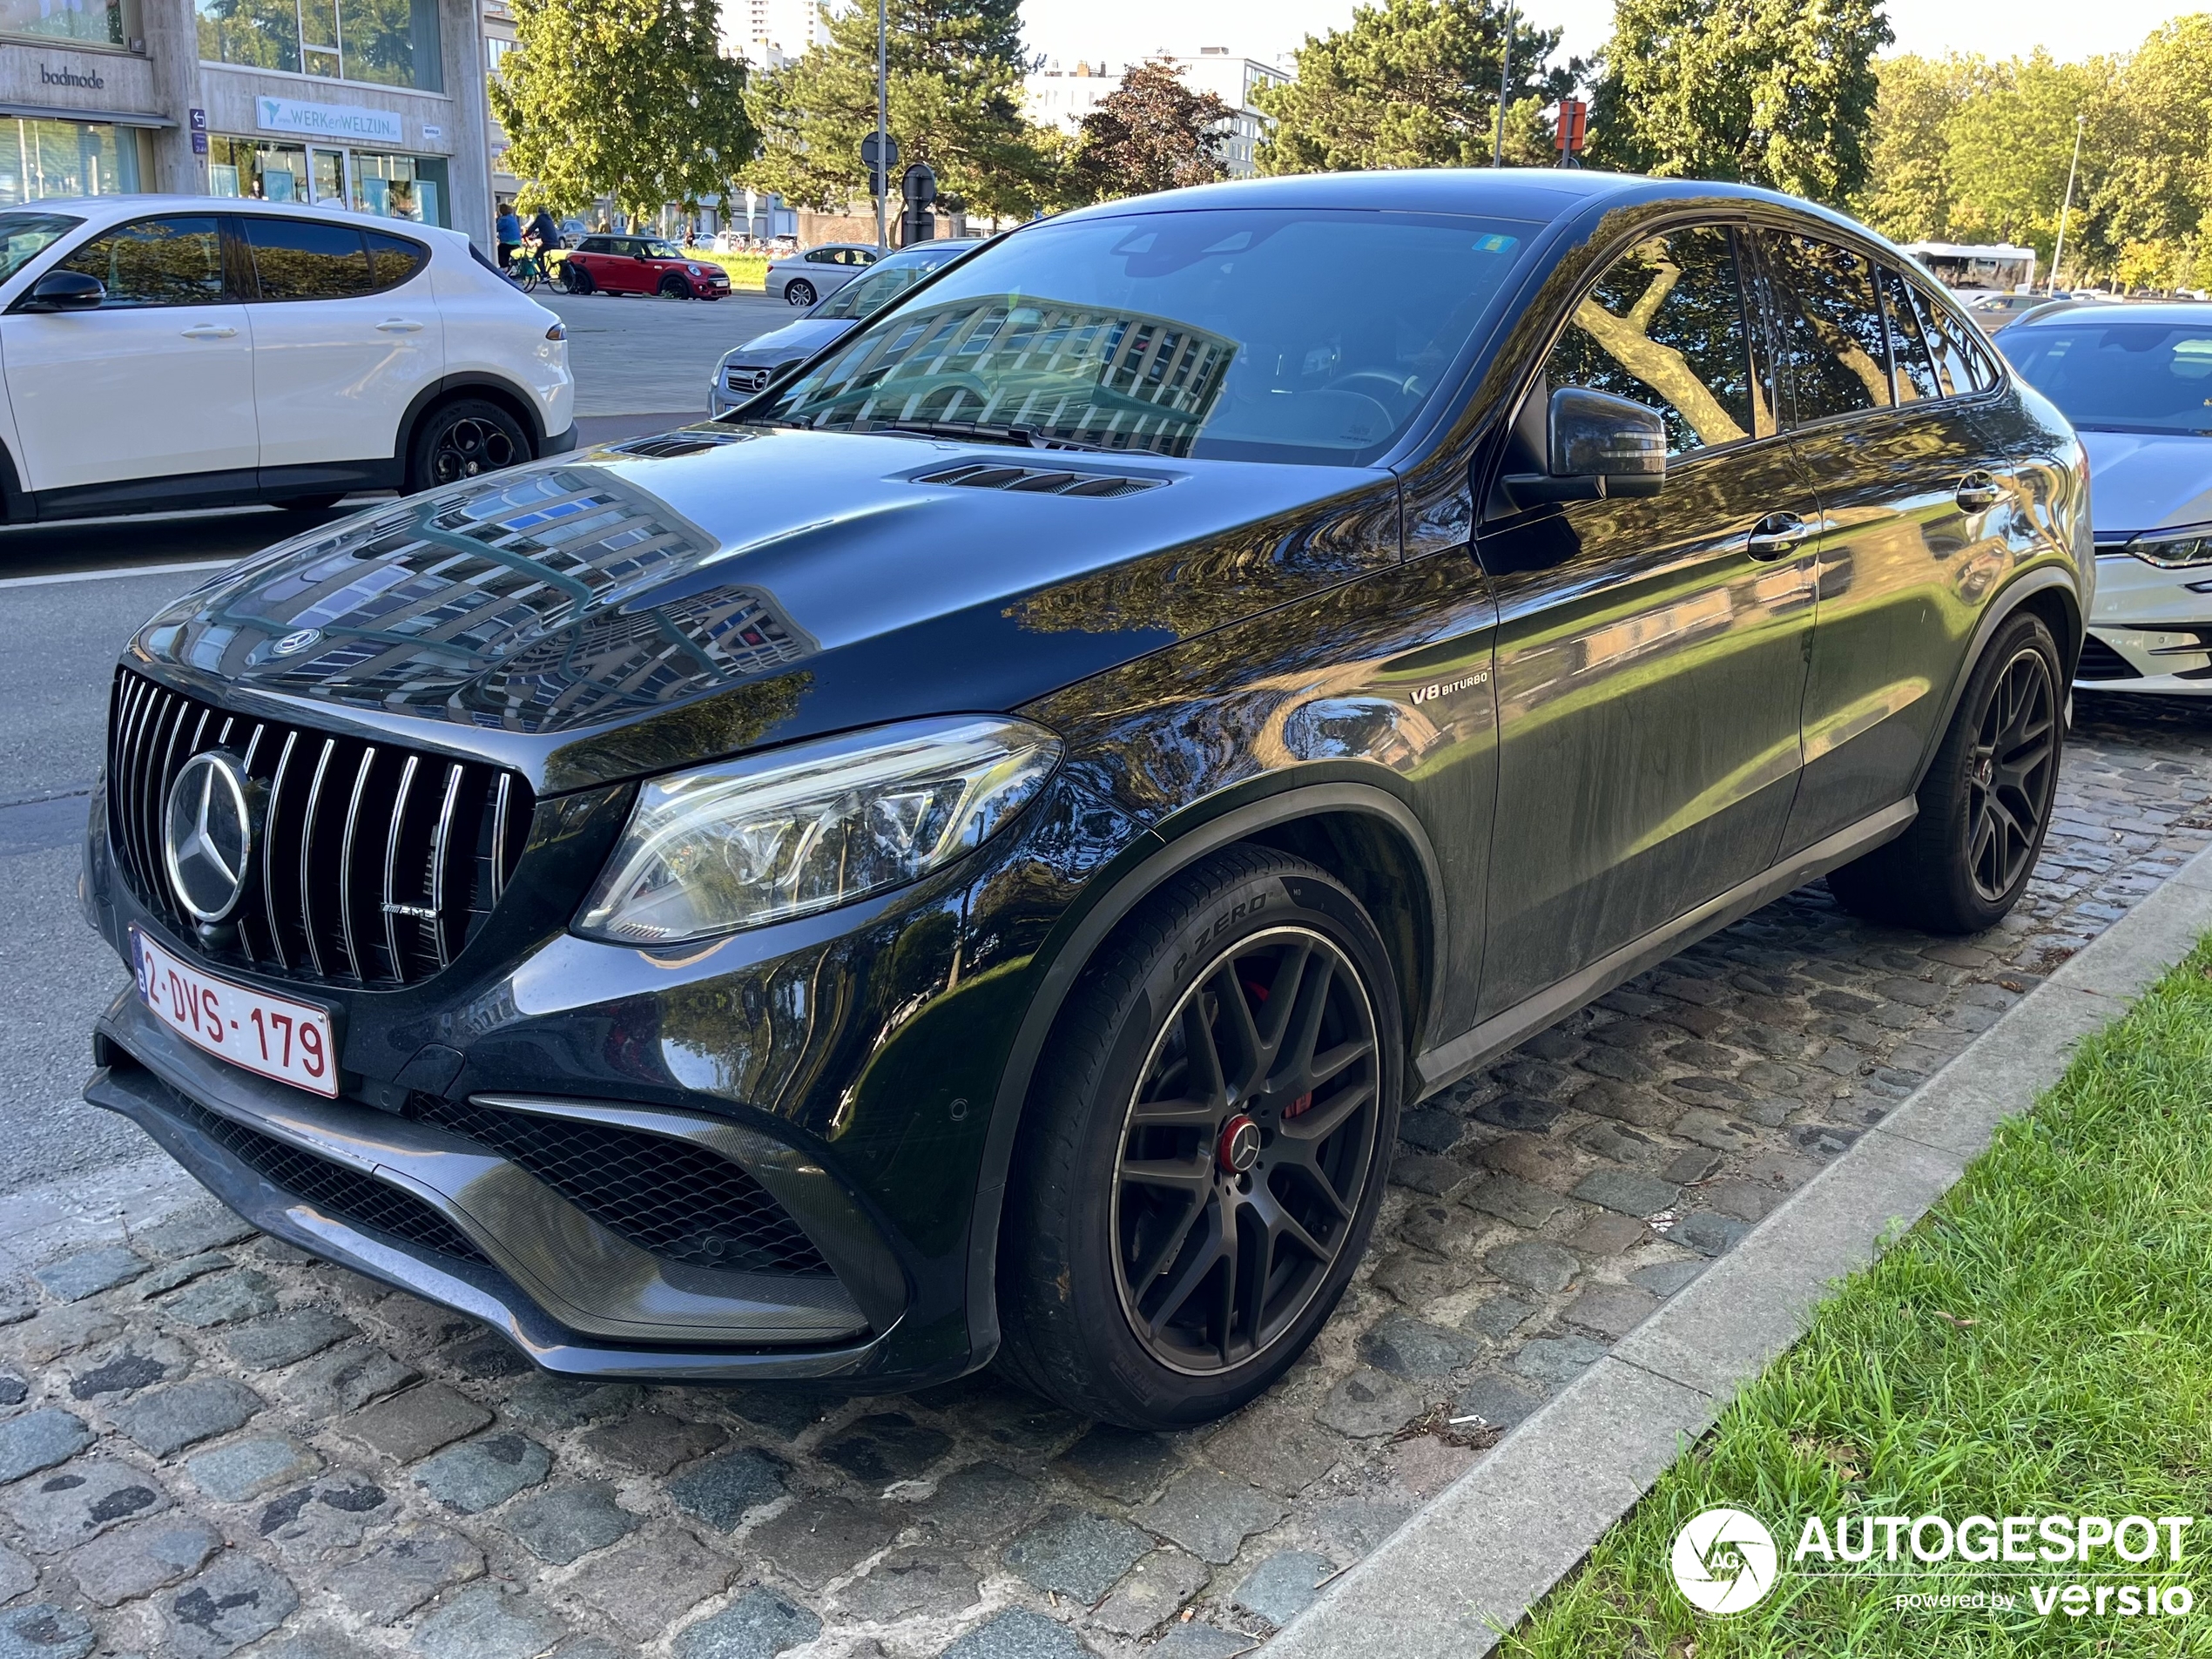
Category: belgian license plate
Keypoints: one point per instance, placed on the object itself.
(273, 1035)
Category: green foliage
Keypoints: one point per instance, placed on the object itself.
(1414, 83)
(1151, 133)
(1969, 150)
(631, 99)
(2039, 1344)
(1777, 92)
(955, 103)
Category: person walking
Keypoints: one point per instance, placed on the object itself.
(509, 232)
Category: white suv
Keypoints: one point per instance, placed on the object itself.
(167, 352)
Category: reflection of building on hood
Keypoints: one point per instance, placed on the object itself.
(527, 580)
(1120, 379)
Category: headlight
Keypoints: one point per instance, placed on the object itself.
(2174, 550)
(742, 842)
(698, 271)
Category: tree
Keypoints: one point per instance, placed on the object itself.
(2011, 147)
(1412, 84)
(631, 99)
(955, 103)
(1777, 92)
(2156, 193)
(1908, 192)
(1151, 133)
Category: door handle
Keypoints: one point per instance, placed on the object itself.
(209, 331)
(398, 326)
(1977, 490)
(1775, 534)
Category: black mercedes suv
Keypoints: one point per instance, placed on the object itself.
(969, 854)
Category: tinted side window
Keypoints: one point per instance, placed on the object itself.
(1957, 363)
(1664, 326)
(1832, 345)
(822, 256)
(155, 262)
(1916, 374)
(299, 259)
(395, 259)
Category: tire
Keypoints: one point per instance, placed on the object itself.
(575, 279)
(1985, 804)
(800, 292)
(674, 287)
(1116, 1296)
(462, 439)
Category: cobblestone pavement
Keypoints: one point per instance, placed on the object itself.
(208, 1441)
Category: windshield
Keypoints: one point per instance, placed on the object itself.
(2120, 376)
(23, 236)
(890, 279)
(1277, 335)
(659, 250)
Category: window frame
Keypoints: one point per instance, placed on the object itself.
(230, 294)
(1775, 289)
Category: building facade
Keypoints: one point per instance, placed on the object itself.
(1062, 98)
(375, 105)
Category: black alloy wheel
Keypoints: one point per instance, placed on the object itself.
(464, 440)
(674, 287)
(1985, 803)
(2009, 775)
(574, 277)
(1247, 1145)
(1204, 1150)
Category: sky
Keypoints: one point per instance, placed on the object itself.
(1129, 29)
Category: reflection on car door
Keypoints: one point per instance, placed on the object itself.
(1651, 652)
(1907, 558)
(157, 381)
(338, 353)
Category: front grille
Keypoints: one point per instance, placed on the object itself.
(1040, 481)
(746, 380)
(671, 1198)
(2100, 662)
(373, 865)
(348, 1194)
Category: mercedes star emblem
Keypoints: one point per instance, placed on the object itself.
(208, 834)
(292, 643)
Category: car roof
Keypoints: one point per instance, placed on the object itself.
(937, 249)
(121, 207)
(2187, 313)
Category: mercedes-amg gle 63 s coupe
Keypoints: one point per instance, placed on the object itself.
(966, 856)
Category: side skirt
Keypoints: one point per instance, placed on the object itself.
(1445, 1063)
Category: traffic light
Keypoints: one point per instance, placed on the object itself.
(919, 188)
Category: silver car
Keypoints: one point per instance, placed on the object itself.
(2136, 381)
(804, 278)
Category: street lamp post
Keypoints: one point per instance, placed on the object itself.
(1505, 73)
(2057, 253)
(882, 169)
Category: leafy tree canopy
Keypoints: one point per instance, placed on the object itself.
(1414, 83)
(955, 103)
(631, 99)
(1777, 92)
(1151, 133)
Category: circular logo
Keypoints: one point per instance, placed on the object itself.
(1239, 1148)
(208, 834)
(1724, 1561)
(292, 643)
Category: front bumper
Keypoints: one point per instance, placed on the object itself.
(2150, 630)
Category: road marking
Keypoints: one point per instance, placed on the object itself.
(110, 576)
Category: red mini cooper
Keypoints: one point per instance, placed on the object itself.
(641, 265)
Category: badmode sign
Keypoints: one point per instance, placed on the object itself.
(350, 121)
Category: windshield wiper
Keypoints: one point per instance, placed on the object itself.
(1026, 437)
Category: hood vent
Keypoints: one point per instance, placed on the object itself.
(678, 443)
(1038, 481)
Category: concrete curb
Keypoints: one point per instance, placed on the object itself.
(1470, 1565)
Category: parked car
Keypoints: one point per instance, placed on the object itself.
(167, 351)
(1994, 311)
(2136, 381)
(972, 856)
(801, 278)
(611, 264)
(745, 370)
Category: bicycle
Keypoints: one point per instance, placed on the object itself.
(527, 269)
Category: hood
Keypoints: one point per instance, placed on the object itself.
(2142, 481)
(791, 342)
(627, 609)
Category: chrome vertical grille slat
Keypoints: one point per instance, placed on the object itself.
(448, 853)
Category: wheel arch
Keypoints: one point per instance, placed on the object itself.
(2049, 593)
(1362, 834)
(449, 388)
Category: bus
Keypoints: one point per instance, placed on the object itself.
(1965, 268)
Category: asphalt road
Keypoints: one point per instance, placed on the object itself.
(635, 354)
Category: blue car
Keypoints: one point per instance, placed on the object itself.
(747, 370)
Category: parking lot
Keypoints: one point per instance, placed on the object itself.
(640, 354)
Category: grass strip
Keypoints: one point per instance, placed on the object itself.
(2039, 1344)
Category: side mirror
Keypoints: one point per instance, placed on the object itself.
(63, 290)
(1598, 446)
